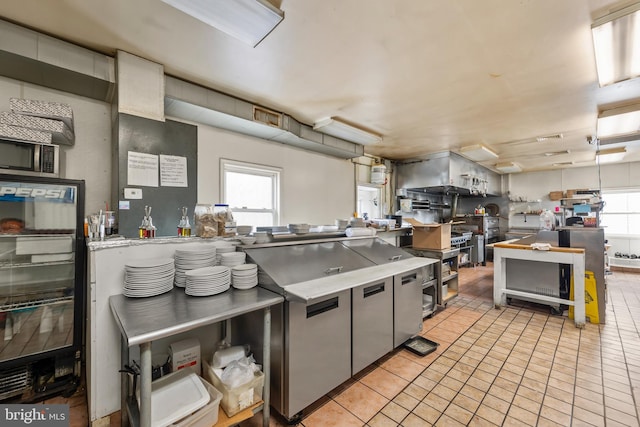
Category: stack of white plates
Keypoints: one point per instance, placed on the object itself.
(190, 259)
(207, 281)
(232, 259)
(148, 277)
(223, 248)
(244, 276)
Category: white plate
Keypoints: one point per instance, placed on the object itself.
(149, 263)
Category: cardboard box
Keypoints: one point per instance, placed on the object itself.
(430, 236)
(556, 195)
(185, 354)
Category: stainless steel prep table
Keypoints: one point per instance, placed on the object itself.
(144, 320)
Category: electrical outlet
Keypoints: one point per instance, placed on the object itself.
(133, 193)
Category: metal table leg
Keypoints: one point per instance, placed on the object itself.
(145, 384)
(266, 356)
(124, 384)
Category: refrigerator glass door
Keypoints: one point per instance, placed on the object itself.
(38, 222)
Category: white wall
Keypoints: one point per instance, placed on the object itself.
(537, 185)
(90, 158)
(316, 189)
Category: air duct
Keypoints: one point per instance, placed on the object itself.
(187, 101)
(32, 57)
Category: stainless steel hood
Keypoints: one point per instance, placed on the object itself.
(191, 102)
(447, 172)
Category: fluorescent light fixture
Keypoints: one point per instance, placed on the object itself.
(619, 121)
(478, 153)
(341, 129)
(247, 20)
(610, 155)
(616, 40)
(547, 137)
(509, 167)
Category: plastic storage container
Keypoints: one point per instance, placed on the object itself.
(208, 414)
(239, 398)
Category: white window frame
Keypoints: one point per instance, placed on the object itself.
(614, 214)
(275, 173)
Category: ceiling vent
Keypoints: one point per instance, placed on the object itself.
(267, 117)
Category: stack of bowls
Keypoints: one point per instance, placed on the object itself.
(247, 240)
(299, 228)
(342, 223)
(261, 237)
(244, 230)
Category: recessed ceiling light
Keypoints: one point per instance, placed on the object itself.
(478, 153)
(247, 20)
(556, 153)
(342, 129)
(615, 38)
(610, 155)
(623, 120)
(562, 164)
(509, 167)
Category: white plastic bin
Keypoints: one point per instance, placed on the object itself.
(235, 400)
(206, 416)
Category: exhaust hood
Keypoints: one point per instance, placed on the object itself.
(187, 101)
(447, 173)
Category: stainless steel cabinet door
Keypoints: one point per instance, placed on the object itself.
(407, 305)
(318, 349)
(372, 323)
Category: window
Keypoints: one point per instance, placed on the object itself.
(252, 192)
(621, 212)
(369, 202)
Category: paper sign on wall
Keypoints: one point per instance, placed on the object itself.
(142, 169)
(173, 171)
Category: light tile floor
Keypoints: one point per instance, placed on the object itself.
(516, 366)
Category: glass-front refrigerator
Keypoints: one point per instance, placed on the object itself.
(41, 285)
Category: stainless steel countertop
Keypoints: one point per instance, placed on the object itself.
(318, 288)
(143, 320)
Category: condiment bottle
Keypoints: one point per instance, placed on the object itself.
(184, 228)
(151, 229)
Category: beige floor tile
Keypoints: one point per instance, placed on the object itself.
(384, 382)
(381, 420)
(427, 413)
(496, 403)
(332, 415)
(522, 415)
(413, 420)
(490, 414)
(466, 402)
(478, 421)
(436, 402)
(583, 417)
(556, 415)
(527, 404)
(403, 367)
(395, 412)
(416, 391)
(361, 401)
(458, 413)
(406, 401)
(446, 421)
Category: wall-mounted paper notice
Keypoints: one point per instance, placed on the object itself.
(173, 171)
(142, 169)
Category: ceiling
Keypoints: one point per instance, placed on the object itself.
(428, 75)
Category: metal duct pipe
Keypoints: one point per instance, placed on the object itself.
(454, 205)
